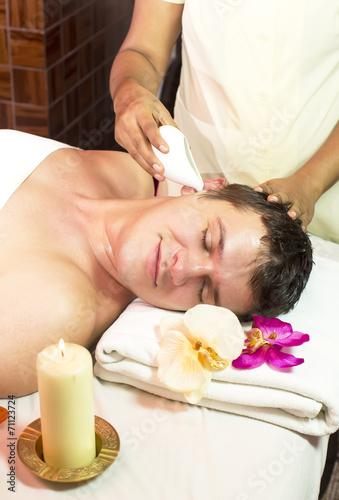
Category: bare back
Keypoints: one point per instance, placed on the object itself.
(51, 285)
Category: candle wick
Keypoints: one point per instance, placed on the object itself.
(62, 352)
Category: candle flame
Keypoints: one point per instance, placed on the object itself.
(62, 346)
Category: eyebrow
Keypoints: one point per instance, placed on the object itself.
(221, 244)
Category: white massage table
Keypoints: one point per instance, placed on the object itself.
(175, 451)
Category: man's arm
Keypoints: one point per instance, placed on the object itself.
(36, 310)
(302, 189)
(136, 75)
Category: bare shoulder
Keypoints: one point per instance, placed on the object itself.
(41, 301)
(103, 174)
(133, 181)
(42, 296)
(119, 172)
(36, 309)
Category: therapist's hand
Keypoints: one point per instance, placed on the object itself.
(139, 114)
(301, 190)
(294, 192)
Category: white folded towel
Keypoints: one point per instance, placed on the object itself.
(304, 398)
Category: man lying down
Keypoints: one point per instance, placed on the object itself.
(84, 235)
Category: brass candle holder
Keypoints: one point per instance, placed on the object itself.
(31, 453)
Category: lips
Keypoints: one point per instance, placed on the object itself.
(157, 263)
(154, 264)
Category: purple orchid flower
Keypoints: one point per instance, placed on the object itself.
(265, 342)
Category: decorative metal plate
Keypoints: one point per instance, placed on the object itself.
(31, 453)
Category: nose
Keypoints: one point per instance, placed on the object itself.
(186, 267)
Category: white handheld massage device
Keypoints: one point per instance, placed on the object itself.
(178, 162)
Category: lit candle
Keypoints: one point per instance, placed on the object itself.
(65, 383)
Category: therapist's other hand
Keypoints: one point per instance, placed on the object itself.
(294, 193)
(139, 114)
(209, 184)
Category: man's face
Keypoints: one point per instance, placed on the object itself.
(178, 252)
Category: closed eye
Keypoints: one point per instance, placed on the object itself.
(204, 246)
(204, 239)
(201, 290)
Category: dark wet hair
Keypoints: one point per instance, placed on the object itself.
(284, 263)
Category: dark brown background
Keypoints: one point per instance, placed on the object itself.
(55, 59)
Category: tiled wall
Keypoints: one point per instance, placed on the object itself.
(55, 58)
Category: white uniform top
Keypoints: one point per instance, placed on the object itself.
(259, 90)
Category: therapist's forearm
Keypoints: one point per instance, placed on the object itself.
(321, 171)
(142, 61)
(131, 72)
(135, 80)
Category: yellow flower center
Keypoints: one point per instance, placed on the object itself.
(215, 361)
(256, 339)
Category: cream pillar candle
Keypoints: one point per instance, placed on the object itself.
(65, 384)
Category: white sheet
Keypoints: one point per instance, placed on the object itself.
(175, 451)
(21, 153)
(304, 398)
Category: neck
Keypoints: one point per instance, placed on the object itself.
(103, 221)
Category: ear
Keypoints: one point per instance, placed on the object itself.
(187, 190)
(208, 185)
(214, 183)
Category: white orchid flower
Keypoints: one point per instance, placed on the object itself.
(206, 338)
